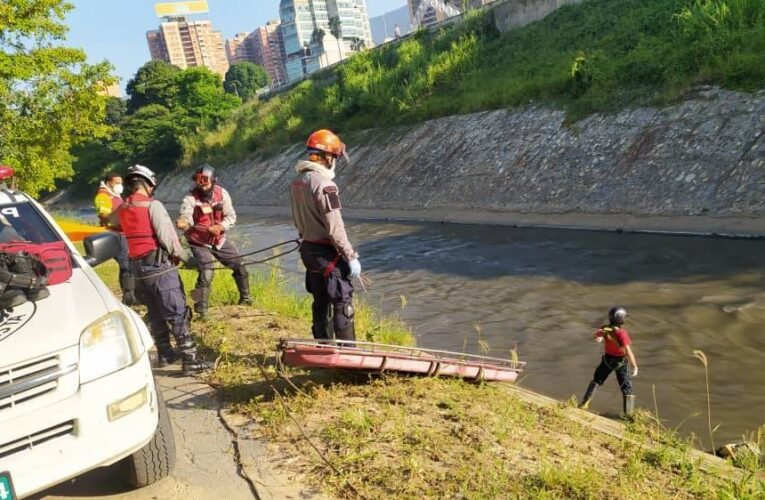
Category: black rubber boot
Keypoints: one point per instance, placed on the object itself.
(10, 298)
(200, 306)
(192, 364)
(21, 264)
(165, 352)
(588, 395)
(347, 333)
(629, 406)
(243, 285)
(127, 284)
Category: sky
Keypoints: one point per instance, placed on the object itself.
(116, 30)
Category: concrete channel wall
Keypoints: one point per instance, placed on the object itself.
(702, 161)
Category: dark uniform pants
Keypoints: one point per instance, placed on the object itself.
(616, 364)
(227, 254)
(122, 257)
(328, 281)
(160, 289)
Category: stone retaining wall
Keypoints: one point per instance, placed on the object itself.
(702, 157)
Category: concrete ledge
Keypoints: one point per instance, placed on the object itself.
(689, 225)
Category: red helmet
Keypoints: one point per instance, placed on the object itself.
(326, 141)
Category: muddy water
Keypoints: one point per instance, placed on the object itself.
(544, 292)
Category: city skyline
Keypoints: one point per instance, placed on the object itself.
(105, 31)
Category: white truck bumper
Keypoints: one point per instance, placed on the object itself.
(78, 434)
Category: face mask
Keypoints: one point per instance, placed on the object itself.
(118, 189)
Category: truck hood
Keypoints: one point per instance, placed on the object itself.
(34, 329)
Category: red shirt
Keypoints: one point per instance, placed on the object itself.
(616, 339)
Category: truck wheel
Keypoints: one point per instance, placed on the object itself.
(157, 459)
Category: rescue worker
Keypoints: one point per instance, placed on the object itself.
(206, 215)
(330, 260)
(154, 250)
(617, 345)
(108, 199)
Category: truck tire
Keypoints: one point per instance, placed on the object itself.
(157, 459)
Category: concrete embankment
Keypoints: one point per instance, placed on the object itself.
(696, 166)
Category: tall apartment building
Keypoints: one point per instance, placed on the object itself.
(240, 48)
(268, 51)
(429, 12)
(302, 18)
(188, 43)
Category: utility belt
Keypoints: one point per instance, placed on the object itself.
(614, 362)
(325, 242)
(156, 257)
(319, 256)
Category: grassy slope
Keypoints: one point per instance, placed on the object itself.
(601, 55)
(417, 437)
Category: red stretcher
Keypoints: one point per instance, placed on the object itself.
(380, 358)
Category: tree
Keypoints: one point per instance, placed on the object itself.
(317, 38)
(357, 44)
(150, 136)
(336, 30)
(154, 83)
(50, 98)
(202, 99)
(116, 109)
(244, 79)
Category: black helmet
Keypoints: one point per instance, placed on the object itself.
(617, 315)
(143, 172)
(204, 169)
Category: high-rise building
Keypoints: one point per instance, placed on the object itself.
(429, 12)
(307, 49)
(240, 48)
(268, 51)
(186, 42)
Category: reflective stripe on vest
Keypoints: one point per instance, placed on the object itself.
(136, 224)
(206, 214)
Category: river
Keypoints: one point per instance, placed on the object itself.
(545, 291)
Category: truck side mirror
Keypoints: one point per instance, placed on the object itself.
(101, 247)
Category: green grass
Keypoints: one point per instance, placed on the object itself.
(402, 437)
(599, 56)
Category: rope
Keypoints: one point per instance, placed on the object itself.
(307, 439)
(220, 268)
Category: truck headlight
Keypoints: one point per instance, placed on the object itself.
(106, 346)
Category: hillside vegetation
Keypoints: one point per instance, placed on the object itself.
(599, 56)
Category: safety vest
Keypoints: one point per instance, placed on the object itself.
(136, 224)
(206, 213)
(116, 202)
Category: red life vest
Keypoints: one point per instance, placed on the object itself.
(116, 202)
(136, 224)
(206, 213)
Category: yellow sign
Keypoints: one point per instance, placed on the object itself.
(170, 9)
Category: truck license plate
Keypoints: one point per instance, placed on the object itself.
(6, 487)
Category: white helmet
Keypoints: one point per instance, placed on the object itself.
(143, 172)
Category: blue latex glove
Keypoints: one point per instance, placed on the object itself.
(355, 268)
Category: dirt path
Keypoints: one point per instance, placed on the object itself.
(216, 458)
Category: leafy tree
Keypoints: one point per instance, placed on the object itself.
(154, 83)
(116, 109)
(335, 27)
(244, 79)
(357, 44)
(317, 38)
(150, 136)
(50, 98)
(202, 99)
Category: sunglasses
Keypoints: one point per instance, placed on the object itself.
(202, 179)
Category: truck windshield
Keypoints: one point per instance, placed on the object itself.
(22, 222)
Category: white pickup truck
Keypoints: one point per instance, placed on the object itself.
(76, 386)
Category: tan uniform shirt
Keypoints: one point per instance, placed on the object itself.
(315, 202)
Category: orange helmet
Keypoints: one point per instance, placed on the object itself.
(326, 141)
